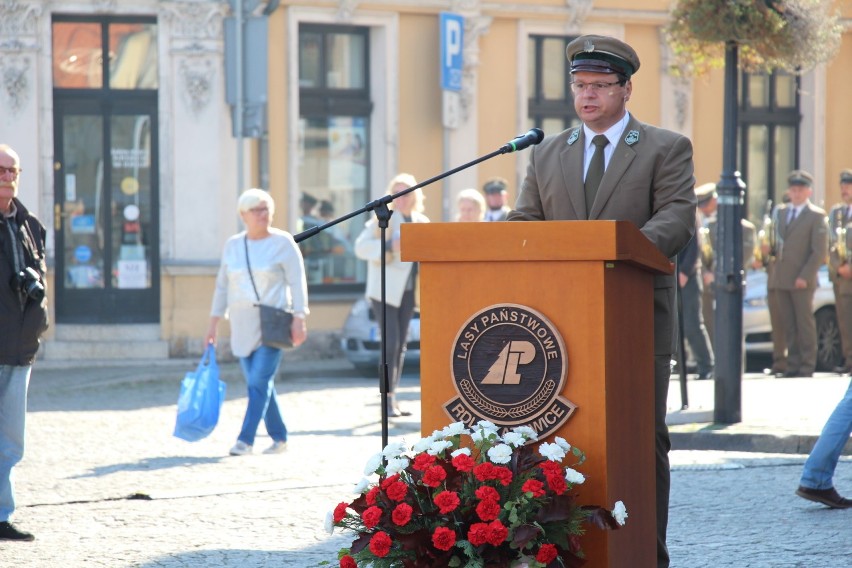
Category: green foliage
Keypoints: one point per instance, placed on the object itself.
(789, 35)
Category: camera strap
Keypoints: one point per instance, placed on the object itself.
(18, 262)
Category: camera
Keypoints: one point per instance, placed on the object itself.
(30, 284)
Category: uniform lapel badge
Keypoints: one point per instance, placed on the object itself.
(632, 137)
(573, 136)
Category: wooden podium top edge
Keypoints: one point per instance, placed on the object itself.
(531, 240)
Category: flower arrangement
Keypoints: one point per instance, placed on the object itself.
(495, 502)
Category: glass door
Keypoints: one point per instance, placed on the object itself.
(105, 217)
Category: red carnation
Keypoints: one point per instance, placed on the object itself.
(486, 492)
(477, 534)
(546, 554)
(503, 474)
(371, 516)
(397, 491)
(340, 512)
(380, 544)
(463, 463)
(488, 509)
(388, 480)
(401, 514)
(484, 471)
(423, 461)
(551, 468)
(533, 486)
(443, 538)
(348, 562)
(372, 495)
(433, 476)
(447, 501)
(497, 533)
(557, 484)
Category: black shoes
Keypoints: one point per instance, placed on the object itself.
(843, 370)
(705, 376)
(9, 532)
(828, 497)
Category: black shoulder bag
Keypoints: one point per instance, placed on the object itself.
(274, 322)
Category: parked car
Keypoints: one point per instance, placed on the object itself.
(361, 339)
(757, 330)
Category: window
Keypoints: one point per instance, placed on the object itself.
(550, 106)
(769, 132)
(334, 136)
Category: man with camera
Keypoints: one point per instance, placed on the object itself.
(23, 318)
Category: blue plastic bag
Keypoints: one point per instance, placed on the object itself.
(200, 400)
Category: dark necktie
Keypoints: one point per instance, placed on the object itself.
(596, 171)
(793, 213)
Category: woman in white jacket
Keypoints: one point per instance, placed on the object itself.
(401, 277)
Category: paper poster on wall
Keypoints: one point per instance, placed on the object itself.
(347, 151)
(132, 274)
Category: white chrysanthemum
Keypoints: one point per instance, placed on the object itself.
(396, 465)
(394, 449)
(562, 444)
(551, 452)
(361, 486)
(574, 476)
(527, 432)
(373, 464)
(329, 522)
(514, 439)
(439, 446)
(620, 513)
(501, 453)
(460, 451)
(423, 444)
(454, 429)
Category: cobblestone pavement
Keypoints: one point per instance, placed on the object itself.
(105, 484)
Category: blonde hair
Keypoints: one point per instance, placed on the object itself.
(475, 197)
(409, 181)
(251, 198)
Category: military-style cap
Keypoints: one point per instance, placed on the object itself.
(602, 54)
(309, 199)
(846, 176)
(800, 177)
(705, 192)
(495, 185)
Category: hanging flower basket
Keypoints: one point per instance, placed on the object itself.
(789, 35)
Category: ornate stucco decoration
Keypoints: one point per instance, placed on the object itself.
(13, 74)
(105, 6)
(346, 9)
(197, 77)
(18, 25)
(578, 10)
(196, 25)
(474, 27)
(680, 83)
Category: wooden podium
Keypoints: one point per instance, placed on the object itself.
(593, 280)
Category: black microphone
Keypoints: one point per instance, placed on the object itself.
(523, 142)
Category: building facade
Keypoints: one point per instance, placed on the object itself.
(120, 112)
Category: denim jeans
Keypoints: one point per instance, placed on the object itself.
(260, 369)
(821, 463)
(14, 382)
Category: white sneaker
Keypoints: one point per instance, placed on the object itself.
(276, 448)
(240, 449)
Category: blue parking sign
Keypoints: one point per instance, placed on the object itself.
(452, 51)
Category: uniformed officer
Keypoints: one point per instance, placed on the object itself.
(840, 266)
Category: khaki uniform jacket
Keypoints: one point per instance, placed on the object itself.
(803, 250)
(649, 181)
(844, 286)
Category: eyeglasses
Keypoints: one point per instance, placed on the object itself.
(578, 88)
(13, 170)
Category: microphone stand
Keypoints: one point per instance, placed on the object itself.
(383, 214)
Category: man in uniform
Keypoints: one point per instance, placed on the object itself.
(708, 204)
(496, 197)
(615, 167)
(792, 274)
(840, 266)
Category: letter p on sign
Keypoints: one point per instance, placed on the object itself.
(452, 57)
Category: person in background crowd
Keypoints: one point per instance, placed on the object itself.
(401, 278)
(615, 167)
(694, 332)
(496, 196)
(793, 273)
(23, 319)
(279, 276)
(840, 267)
(470, 206)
